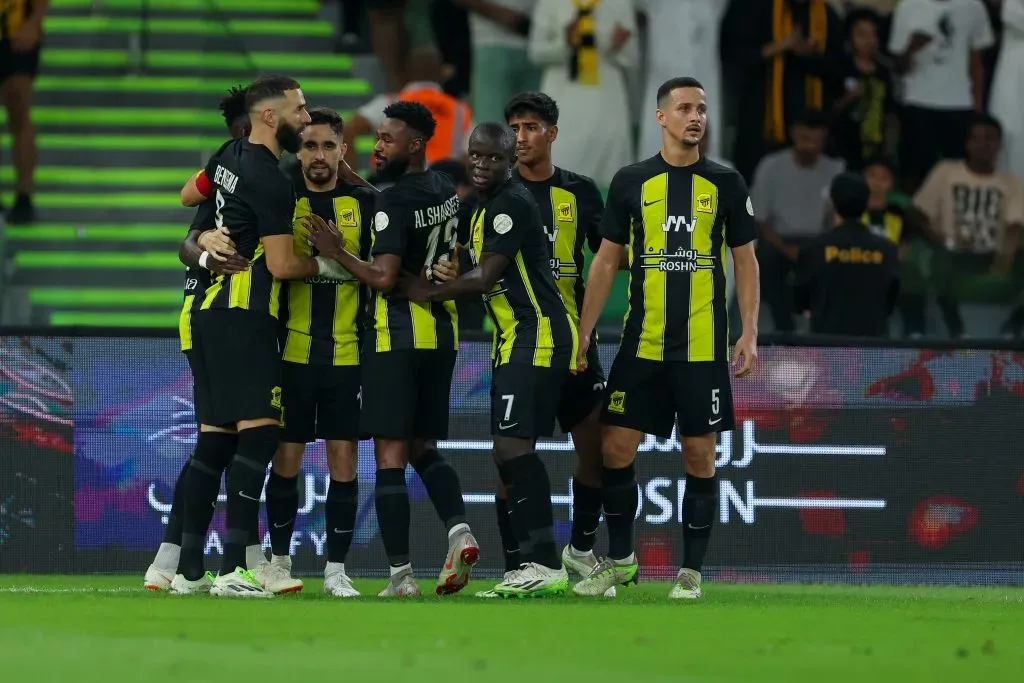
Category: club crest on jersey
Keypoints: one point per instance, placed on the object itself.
(347, 218)
(704, 203)
(380, 221)
(502, 223)
(565, 211)
(617, 402)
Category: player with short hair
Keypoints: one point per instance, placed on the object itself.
(534, 343)
(235, 332)
(410, 350)
(571, 208)
(677, 212)
(199, 263)
(320, 348)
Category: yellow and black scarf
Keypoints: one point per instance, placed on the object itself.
(583, 64)
(782, 26)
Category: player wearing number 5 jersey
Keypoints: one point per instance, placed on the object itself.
(409, 351)
(534, 343)
(676, 214)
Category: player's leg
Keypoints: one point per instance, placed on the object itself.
(165, 565)
(510, 534)
(298, 428)
(16, 92)
(338, 400)
(637, 404)
(340, 515)
(524, 404)
(388, 415)
(434, 377)
(704, 396)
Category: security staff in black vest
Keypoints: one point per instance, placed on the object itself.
(848, 278)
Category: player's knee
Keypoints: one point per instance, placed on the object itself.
(288, 459)
(418, 447)
(618, 446)
(699, 455)
(342, 460)
(509, 448)
(391, 454)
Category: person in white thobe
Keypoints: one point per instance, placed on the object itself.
(682, 40)
(594, 133)
(1007, 100)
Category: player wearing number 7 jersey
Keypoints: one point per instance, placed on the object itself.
(409, 352)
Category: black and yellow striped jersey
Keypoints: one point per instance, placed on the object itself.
(13, 14)
(677, 222)
(417, 220)
(322, 317)
(570, 208)
(254, 200)
(196, 279)
(889, 222)
(531, 323)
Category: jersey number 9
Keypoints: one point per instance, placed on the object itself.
(218, 217)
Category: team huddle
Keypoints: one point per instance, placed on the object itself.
(320, 308)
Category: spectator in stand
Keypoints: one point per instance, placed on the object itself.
(21, 35)
(789, 196)
(978, 210)
(883, 10)
(454, 118)
(450, 24)
(864, 118)
(937, 46)
(682, 38)
(585, 48)
(1007, 101)
(396, 27)
(848, 278)
(786, 56)
(499, 30)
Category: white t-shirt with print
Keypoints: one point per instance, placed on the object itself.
(940, 76)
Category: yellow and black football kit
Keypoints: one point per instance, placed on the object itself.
(196, 282)
(676, 223)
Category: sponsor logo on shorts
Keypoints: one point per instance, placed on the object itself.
(617, 402)
(275, 398)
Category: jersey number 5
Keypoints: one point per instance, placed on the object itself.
(434, 242)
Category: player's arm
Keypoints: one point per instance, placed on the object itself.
(273, 202)
(384, 266)
(615, 227)
(197, 189)
(476, 282)
(210, 248)
(740, 233)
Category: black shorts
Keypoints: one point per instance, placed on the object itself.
(525, 400)
(199, 406)
(319, 402)
(405, 393)
(581, 392)
(236, 365)
(647, 395)
(17, 63)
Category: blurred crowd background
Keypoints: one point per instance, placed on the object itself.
(925, 98)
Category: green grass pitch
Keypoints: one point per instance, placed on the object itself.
(107, 629)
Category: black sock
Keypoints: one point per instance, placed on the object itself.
(214, 451)
(282, 506)
(172, 532)
(586, 515)
(700, 502)
(509, 542)
(442, 484)
(530, 499)
(248, 471)
(392, 500)
(618, 491)
(340, 517)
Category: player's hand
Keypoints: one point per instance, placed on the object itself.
(27, 37)
(324, 235)
(446, 268)
(619, 37)
(412, 288)
(745, 355)
(581, 355)
(232, 264)
(218, 243)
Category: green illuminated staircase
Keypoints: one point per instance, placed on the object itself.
(119, 134)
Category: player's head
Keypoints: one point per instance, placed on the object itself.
(492, 153)
(849, 196)
(236, 116)
(402, 138)
(862, 30)
(456, 170)
(880, 176)
(808, 133)
(682, 111)
(984, 139)
(533, 117)
(322, 146)
(277, 103)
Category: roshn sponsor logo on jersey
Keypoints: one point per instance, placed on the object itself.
(674, 223)
(560, 269)
(680, 261)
